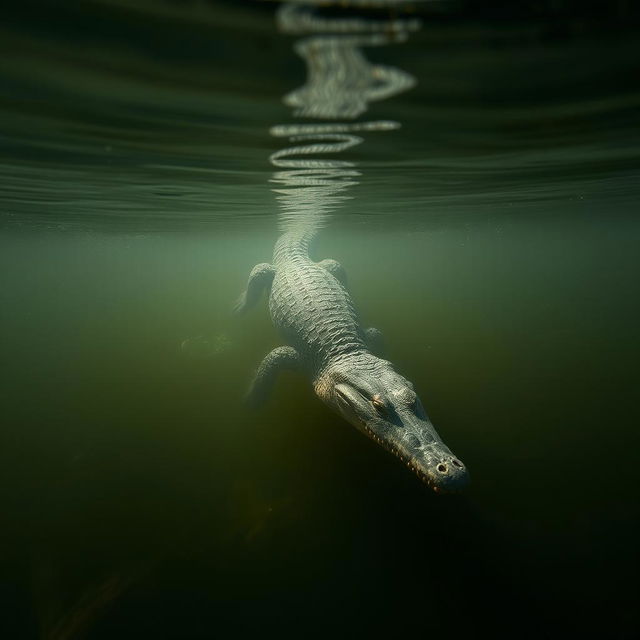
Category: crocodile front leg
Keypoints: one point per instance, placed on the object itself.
(335, 269)
(260, 279)
(375, 341)
(280, 359)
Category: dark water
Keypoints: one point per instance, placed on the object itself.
(493, 238)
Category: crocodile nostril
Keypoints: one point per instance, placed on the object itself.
(457, 463)
(442, 468)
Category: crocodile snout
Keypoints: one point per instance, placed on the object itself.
(450, 476)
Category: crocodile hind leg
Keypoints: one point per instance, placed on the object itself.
(280, 359)
(335, 269)
(260, 278)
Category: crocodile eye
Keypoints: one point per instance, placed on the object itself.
(343, 396)
(378, 403)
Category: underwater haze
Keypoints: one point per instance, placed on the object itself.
(482, 194)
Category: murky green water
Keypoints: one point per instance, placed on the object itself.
(493, 237)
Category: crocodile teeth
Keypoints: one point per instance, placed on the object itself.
(409, 464)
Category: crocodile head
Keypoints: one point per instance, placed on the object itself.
(383, 405)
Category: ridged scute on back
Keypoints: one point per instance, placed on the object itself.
(312, 310)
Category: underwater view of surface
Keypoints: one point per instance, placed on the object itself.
(474, 167)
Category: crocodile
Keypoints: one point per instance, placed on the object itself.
(313, 311)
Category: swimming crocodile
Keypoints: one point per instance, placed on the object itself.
(312, 309)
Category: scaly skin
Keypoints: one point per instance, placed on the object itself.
(313, 311)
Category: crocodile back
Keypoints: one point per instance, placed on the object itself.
(312, 310)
